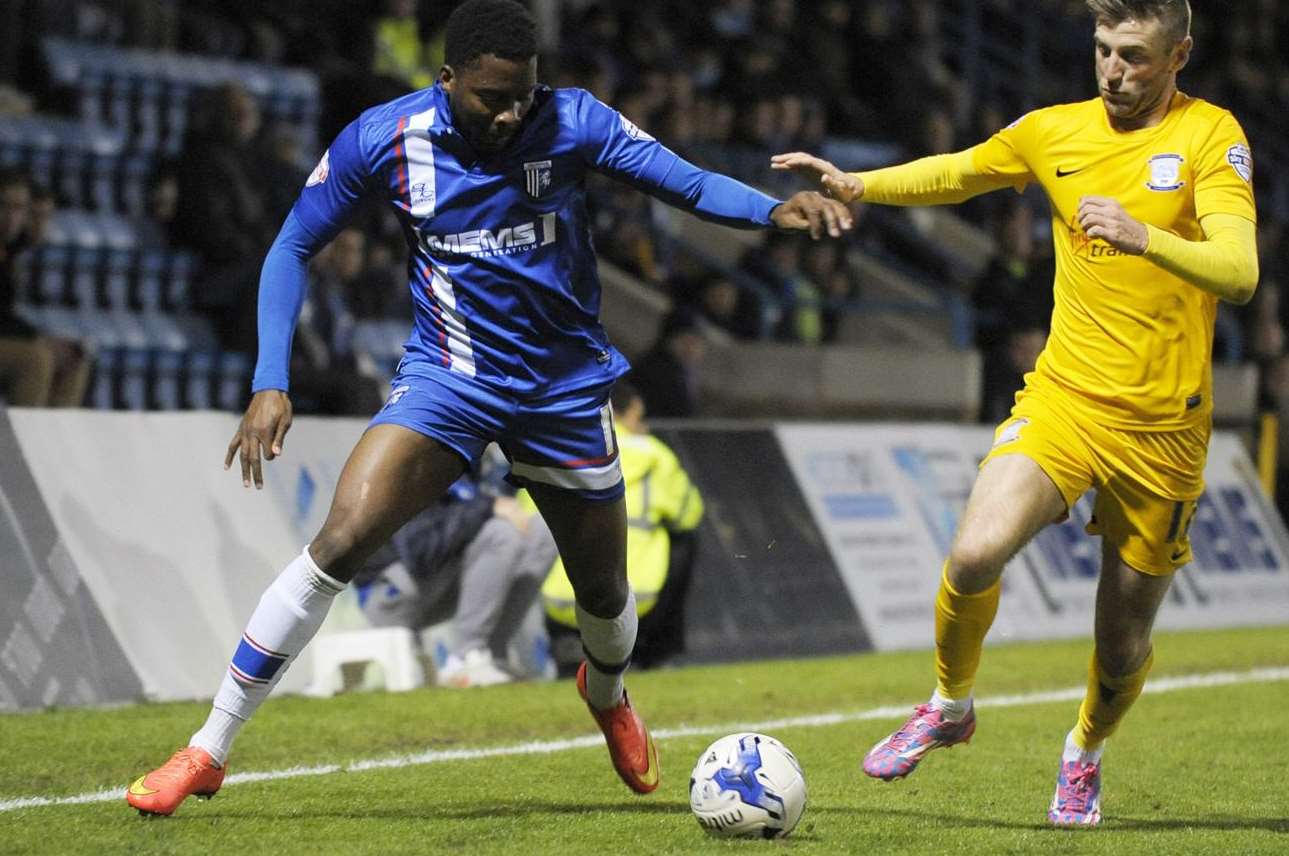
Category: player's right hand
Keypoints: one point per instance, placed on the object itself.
(262, 431)
(833, 183)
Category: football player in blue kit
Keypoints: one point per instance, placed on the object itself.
(486, 171)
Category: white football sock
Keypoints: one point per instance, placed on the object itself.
(1075, 752)
(952, 710)
(609, 642)
(289, 613)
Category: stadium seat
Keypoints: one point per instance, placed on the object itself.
(393, 648)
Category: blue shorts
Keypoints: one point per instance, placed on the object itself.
(566, 441)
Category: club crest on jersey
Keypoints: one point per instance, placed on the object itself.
(321, 171)
(1166, 173)
(1241, 160)
(537, 177)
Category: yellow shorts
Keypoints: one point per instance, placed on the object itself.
(1148, 482)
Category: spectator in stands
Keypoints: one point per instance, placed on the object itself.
(1013, 302)
(35, 370)
(399, 50)
(664, 509)
(326, 376)
(623, 228)
(224, 212)
(474, 557)
(836, 288)
(730, 308)
(789, 297)
(156, 229)
(668, 374)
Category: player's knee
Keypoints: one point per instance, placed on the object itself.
(602, 595)
(1122, 655)
(974, 564)
(338, 552)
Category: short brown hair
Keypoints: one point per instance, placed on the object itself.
(1175, 15)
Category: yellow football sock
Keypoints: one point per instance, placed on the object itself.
(961, 622)
(1107, 700)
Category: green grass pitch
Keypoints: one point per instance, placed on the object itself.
(1193, 770)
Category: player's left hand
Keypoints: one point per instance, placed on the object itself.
(1104, 218)
(809, 210)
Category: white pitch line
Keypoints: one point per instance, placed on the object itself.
(541, 747)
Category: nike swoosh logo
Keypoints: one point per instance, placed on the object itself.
(1176, 556)
(649, 778)
(1062, 173)
(919, 751)
(137, 788)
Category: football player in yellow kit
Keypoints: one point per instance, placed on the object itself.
(1153, 222)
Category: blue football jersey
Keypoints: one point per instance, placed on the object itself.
(501, 268)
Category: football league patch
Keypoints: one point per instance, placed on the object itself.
(1241, 160)
(321, 171)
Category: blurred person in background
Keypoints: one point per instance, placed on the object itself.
(399, 51)
(224, 211)
(324, 367)
(669, 373)
(1153, 215)
(473, 556)
(1013, 302)
(664, 509)
(35, 370)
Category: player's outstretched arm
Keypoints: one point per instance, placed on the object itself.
(809, 211)
(831, 181)
(261, 433)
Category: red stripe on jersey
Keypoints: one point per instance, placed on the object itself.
(438, 314)
(402, 161)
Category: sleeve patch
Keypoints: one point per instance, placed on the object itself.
(1241, 160)
(632, 131)
(320, 172)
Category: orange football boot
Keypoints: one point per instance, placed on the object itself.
(189, 771)
(630, 747)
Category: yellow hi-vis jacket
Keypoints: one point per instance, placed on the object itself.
(660, 500)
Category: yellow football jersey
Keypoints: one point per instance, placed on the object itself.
(1130, 342)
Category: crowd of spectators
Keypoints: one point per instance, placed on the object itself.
(726, 84)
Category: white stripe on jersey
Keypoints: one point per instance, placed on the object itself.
(420, 163)
(586, 478)
(460, 347)
(606, 425)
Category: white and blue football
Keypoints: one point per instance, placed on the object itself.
(747, 785)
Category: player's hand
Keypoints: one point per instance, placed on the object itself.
(1104, 218)
(832, 182)
(261, 432)
(808, 210)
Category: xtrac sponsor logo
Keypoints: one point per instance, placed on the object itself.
(1089, 248)
(499, 242)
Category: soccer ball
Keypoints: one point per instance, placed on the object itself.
(747, 785)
